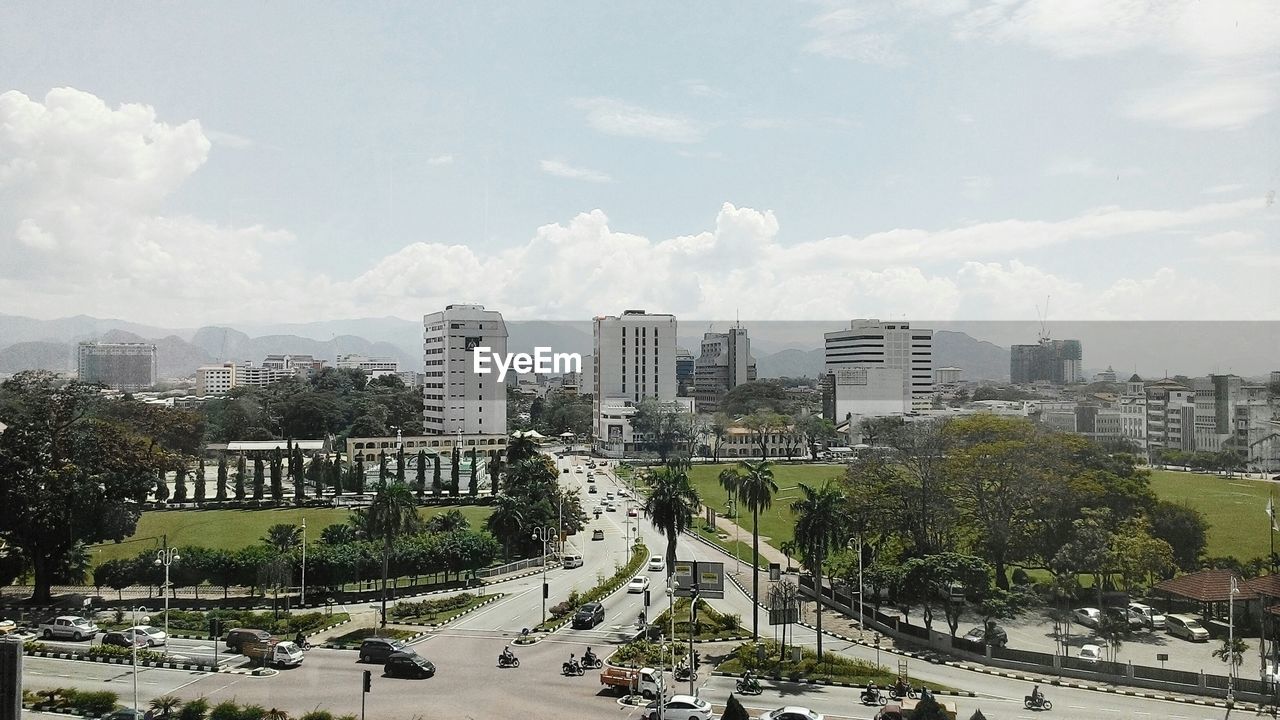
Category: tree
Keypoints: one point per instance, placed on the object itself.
(764, 425)
(436, 484)
(198, 480)
(317, 471)
(454, 470)
(473, 485)
(1232, 652)
(383, 472)
(495, 466)
(69, 477)
(258, 480)
(357, 480)
(179, 484)
(756, 488)
(221, 488)
(420, 482)
(165, 705)
(400, 464)
(507, 522)
(1185, 530)
(521, 447)
(819, 529)
(948, 569)
(733, 710)
(296, 468)
(720, 424)
(282, 537)
(754, 397)
(927, 708)
(392, 513)
(784, 597)
(664, 426)
(161, 488)
(671, 505)
(240, 478)
(816, 431)
(335, 474)
(1139, 557)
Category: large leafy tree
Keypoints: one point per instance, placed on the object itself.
(666, 427)
(671, 505)
(521, 447)
(755, 490)
(819, 530)
(69, 475)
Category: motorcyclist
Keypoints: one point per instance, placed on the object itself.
(301, 640)
(588, 658)
(872, 692)
(507, 655)
(901, 687)
(1037, 697)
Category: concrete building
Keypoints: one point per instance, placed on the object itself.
(634, 358)
(372, 366)
(1171, 417)
(1216, 398)
(1106, 376)
(686, 372)
(1133, 414)
(724, 363)
(215, 379)
(455, 397)
(368, 448)
(866, 391)
(247, 374)
(1256, 420)
(890, 345)
(301, 365)
(947, 376)
(119, 366)
(1054, 361)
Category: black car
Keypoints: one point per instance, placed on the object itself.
(996, 638)
(589, 616)
(119, 639)
(379, 649)
(408, 665)
(1121, 617)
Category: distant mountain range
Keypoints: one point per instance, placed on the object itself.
(26, 343)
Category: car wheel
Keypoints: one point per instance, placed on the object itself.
(46, 634)
(364, 658)
(77, 636)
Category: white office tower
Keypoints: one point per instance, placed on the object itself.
(874, 344)
(724, 364)
(455, 397)
(634, 359)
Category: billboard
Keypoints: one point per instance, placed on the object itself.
(709, 577)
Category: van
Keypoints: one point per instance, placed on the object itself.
(1149, 615)
(237, 638)
(572, 561)
(1186, 627)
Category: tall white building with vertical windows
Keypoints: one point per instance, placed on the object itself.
(634, 359)
(893, 344)
(455, 397)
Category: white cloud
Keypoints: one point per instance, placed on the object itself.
(1229, 240)
(1214, 102)
(446, 159)
(1224, 188)
(846, 34)
(228, 139)
(614, 117)
(698, 88)
(561, 169)
(1089, 168)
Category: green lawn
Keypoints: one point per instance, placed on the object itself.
(234, 529)
(1235, 508)
(776, 523)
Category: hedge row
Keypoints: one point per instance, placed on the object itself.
(288, 624)
(87, 702)
(431, 607)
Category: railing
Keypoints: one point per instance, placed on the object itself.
(516, 566)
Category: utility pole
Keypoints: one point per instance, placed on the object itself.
(1231, 642)
(693, 623)
(368, 683)
(543, 535)
(304, 562)
(166, 557)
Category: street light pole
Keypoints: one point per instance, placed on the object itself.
(849, 544)
(133, 641)
(304, 562)
(1231, 642)
(166, 557)
(543, 535)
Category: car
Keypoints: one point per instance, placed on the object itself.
(591, 489)
(572, 561)
(588, 616)
(623, 493)
(68, 626)
(592, 480)
(1151, 617)
(408, 665)
(566, 471)
(377, 650)
(1090, 653)
(120, 639)
(1186, 627)
(610, 507)
(152, 634)
(577, 469)
(608, 496)
(792, 712)
(237, 637)
(631, 512)
(656, 563)
(638, 584)
(126, 714)
(998, 637)
(597, 534)
(1121, 617)
(1087, 616)
(680, 707)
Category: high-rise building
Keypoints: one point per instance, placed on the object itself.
(890, 345)
(300, 365)
(1133, 414)
(120, 366)
(864, 391)
(1106, 376)
(1054, 361)
(1171, 417)
(372, 366)
(686, 369)
(724, 363)
(634, 359)
(948, 375)
(215, 379)
(455, 397)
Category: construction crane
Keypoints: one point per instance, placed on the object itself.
(1044, 318)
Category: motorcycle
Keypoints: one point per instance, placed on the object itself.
(591, 662)
(896, 695)
(571, 667)
(749, 687)
(872, 698)
(506, 661)
(684, 674)
(1033, 703)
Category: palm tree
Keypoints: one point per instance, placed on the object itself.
(521, 447)
(788, 548)
(818, 530)
(671, 505)
(392, 513)
(507, 521)
(730, 479)
(282, 537)
(165, 705)
(755, 489)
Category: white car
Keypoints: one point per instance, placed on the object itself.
(153, 635)
(624, 493)
(792, 712)
(1149, 615)
(638, 584)
(680, 707)
(656, 563)
(1087, 616)
(1090, 653)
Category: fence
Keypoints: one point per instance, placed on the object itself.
(516, 566)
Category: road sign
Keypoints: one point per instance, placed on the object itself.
(709, 577)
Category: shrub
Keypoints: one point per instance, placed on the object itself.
(91, 702)
(317, 715)
(253, 712)
(33, 646)
(196, 709)
(432, 607)
(225, 710)
(115, 651)
(1020, 577)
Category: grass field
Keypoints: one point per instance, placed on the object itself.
(1235, 508)
(234, 529)
(777, 522)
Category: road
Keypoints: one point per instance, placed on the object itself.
(178, 649)
(469, 684)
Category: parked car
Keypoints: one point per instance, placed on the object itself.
(152, 634)
(597, 534)
(1122, 616)
(377, 650)
(1186, 627)
(408, 665)
(1090, 653)
(591, 489)
(119, 639)
(998, 636)
(638, 584)
(680, 707)
(656, 563)
(572, 561)
(1087, 616)
(792, 712)
(1149, 615)
(588, 616)
(68, 626)
(623, 493)
(237, 637)
(591, 479)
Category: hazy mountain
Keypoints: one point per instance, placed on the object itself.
(16, 329)
(979, 359)
(37, 355)
(789, 363)
(221, 344)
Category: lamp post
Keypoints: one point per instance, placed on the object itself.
(304, 562)
(166, 557)
(543, 535)
(133, 641)
(1231, 642)
(850, 545)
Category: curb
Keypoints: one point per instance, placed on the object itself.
(468, 611)
(82, 657)
(833, 683)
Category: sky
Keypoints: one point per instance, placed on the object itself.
(190, 163)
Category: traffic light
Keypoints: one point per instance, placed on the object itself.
(215, 628)
(368, 680)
